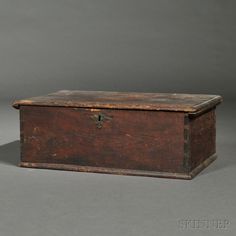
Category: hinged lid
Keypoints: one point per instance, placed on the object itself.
(191, 103)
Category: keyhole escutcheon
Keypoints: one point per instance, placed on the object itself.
(100, 118)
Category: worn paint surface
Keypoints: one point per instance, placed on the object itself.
(202, 138)
(147, 140)
(193, 103)
(148, 134)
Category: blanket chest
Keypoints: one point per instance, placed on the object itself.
(147, 134)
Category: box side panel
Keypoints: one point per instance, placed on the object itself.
(122, 139)
(202, 137)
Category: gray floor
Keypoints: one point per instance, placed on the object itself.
(46, 202)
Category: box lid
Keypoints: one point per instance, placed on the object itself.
(191, 103)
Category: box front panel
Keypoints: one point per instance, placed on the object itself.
(123, 139)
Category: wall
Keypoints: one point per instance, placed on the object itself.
(126, 45)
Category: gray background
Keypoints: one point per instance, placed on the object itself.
(125, 45)
(150, 46)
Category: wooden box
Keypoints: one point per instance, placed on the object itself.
(147, 134)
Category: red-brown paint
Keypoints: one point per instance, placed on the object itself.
(202, 138)
(145, 140)
(147, 134)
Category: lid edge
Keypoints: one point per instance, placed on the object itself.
(215, 100)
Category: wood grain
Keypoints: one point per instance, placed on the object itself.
(202, 138)
(120, 100)
(146, 140)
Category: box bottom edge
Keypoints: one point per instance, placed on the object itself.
(106, 170)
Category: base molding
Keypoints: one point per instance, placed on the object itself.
(202, 165)
(106, 170)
